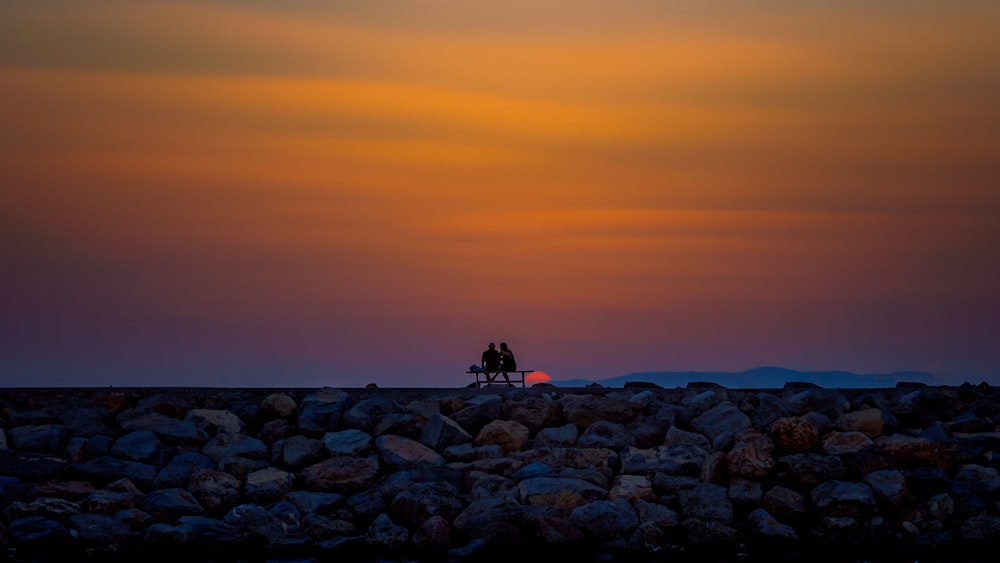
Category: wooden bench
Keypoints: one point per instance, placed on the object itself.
(491, 378)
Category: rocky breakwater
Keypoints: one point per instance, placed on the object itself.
(640, 473)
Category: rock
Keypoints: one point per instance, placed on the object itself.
(563, 494)
(751, 455)
(39, 534)
(345, 475)
(104, 469)
(605, 434)
(171, 430)
(706, 502)
(401, 453)
(842, 499)
(43, 438)
(268, 485)
(385, 533)
(607, 474)
(365, 415)
(440, 432)
(167, 505)
(99, 531)
(768, 529)
(785, 504)
(557, 437)
(279, 405)
(225, 445)
(509, 435)
(143, 446)
(177, 473)
(212, 421)
(794, 434)
(584, 410)
(721, 423)
(299, 451)
(321, 410)
(215, 491)
(604, 520)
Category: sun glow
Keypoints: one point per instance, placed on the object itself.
(537, 377)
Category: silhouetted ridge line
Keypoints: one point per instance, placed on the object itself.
(765, 377)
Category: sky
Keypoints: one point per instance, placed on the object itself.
(338, 193)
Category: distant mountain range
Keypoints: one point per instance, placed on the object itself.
(766, 377)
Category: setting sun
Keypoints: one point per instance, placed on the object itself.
(537, 377)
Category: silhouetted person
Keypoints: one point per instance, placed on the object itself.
(491, 362)
(507, 362)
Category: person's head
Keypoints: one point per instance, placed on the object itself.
(503, 345)
(492, 345)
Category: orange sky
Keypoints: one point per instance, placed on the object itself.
(238, 193)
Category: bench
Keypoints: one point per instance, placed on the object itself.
(491, 378)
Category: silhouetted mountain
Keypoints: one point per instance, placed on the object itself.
(766, 377)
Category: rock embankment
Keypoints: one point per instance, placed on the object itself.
(640, 473)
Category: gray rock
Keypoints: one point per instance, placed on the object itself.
(215, 491)
(171, 430)
(584, 410)
(563, 494)
(54, 508)
(177, 473)
(321, 410)
(533, 412)
(722, 420)
(279, 405)
(86, 421)
(30, 466)
(606, 434)
(440, 432)
(385, 533)
(143, 446)
(299, 451)
(309, 502)
(366, 414)
(235, 445)
(37, 533)
(605, 519)
(511, 436)
(105, 469)
(785, 504)
(351, 443)
(203, 531)
(841, 499)
(706, 502)
(888, 485)
(110, 502)
(768, 528)
(401, 453)
(167, 505)
(42, 438)
(413, 506)
(268, 485)
(809, 469)
(556, 437)
(679, 459)
(100, 531)
(212, 421)
(477, 412)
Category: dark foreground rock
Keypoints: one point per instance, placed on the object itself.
(634, 474)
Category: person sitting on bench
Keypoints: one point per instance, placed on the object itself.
(491, 363)
(507, 362)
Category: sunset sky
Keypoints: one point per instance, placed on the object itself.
(252, 193)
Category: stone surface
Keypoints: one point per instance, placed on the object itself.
(594, 474)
